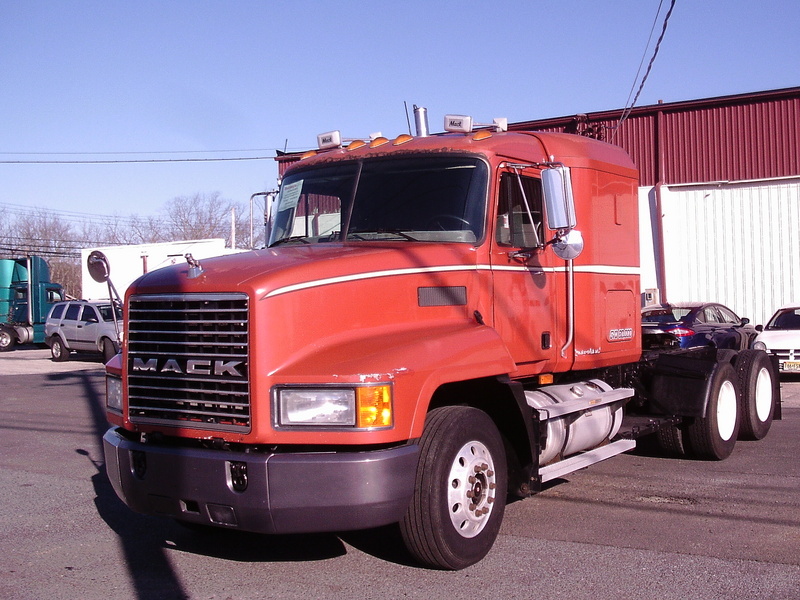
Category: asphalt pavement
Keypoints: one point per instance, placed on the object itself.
(636, 526)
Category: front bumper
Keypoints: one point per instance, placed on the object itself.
(286, 492)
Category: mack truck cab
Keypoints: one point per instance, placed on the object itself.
(437, 322)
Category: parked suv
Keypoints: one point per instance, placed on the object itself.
(80, 325)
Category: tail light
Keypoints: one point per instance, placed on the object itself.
(682, 332)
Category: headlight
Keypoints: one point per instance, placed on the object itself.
(760, 346)
(352, 407)
(114, 393)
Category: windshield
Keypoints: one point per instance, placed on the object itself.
(410, 199)
(786, 319)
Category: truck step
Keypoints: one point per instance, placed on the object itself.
(584, 459)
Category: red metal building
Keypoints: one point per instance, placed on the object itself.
(729, 138)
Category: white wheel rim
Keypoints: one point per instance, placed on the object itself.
(471, 489)
(763, 394)
(726, 410)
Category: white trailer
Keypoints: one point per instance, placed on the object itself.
(130, 262)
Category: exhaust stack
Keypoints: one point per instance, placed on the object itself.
(421, 121)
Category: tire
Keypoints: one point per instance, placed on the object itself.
(757, 385)
(8, 339)
(109, 350)
(460, 492)
(713, 436)
(58, 351)
(671, 440)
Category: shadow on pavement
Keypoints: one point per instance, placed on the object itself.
(144, 540)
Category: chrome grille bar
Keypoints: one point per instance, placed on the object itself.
(188, 362)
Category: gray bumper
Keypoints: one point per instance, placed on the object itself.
(286, 493)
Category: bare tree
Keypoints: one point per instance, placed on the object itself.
(59, 241)
(205, 216)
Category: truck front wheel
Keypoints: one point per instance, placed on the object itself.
(7, 339)
(460, 492)
(713, 436)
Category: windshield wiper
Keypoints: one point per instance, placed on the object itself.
(293, 238)
(398, 232)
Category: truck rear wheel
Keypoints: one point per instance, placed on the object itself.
(756, 382)
(8, 339)
(713, 436)
(58, 351)
(671, 440)
(460, 492)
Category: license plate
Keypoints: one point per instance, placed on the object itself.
(792, 365)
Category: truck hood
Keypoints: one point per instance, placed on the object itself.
(272, 271)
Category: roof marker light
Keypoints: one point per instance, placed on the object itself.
(356, 144)
(403, 138)
(378, 141)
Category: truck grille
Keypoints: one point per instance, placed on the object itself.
(187, 361)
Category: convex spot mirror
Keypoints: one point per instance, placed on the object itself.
(557, 186)
(98, 267)
(569, 245)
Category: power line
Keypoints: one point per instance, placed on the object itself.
(133, 152)
(628, 110)
(133, 161)
(66, 215)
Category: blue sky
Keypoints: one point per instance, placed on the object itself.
(116, 81)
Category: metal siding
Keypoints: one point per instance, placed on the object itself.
(735, 244)
(731, 138)
(732, 143)
(638, 137)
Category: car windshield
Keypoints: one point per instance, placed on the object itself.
(785, 319)
(440, 199)
(665, 315)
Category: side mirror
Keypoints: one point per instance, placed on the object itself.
(560, 205)
(568, 246)
(98, 267)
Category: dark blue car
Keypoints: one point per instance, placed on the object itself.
(700, 324)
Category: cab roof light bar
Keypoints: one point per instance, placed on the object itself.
(333, 139)
(465, 124)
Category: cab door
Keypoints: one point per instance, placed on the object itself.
(528, 286)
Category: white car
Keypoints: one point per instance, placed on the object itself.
(79, 325)
(781, 337)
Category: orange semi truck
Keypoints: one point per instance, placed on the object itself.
(437, 322)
